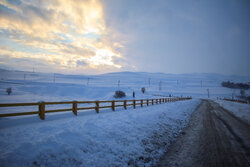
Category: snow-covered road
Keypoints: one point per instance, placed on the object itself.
(214, 137)
(122, 138)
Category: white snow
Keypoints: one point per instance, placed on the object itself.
(121, 138)
(238, 109)
(41, 87)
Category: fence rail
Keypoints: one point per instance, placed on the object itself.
(113, 104)
(237, 100)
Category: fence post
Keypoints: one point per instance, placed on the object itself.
(97, 107)
(42, 110)
(134, 103)
(147, 102)
(141, 103)
(163, 100)
(160, 101)
(125, 104)
(74, 107)
(152, 101)
(156, 101)
(113, 105)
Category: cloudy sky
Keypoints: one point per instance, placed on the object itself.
(99, 36)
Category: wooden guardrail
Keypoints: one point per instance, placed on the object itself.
(41, 105)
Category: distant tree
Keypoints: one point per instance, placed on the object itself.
(119, 94)
(9, 90)
(143, 90)
(232, 85)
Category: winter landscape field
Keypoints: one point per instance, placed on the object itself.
(133, 137)
(34, 87)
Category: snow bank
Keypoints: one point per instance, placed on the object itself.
(122, 138)
(238, 109)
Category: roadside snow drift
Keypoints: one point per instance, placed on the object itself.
(123, 138)
(238, 109)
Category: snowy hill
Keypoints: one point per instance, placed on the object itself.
(33, 86)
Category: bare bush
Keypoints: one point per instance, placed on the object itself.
(119, 94)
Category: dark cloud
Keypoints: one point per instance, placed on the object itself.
(81, 63)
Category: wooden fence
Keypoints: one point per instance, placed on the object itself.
(41, 105)
(237, 100)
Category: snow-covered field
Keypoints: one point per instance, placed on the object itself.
(122, 138)
(238, 109)
(34, 87)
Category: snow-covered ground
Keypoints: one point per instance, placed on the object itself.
(34, 87)
(122, 138)
(238, 109)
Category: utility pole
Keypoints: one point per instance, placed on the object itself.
(88, 82)
(118, 83)
(149, 81)
(232, 94)
(208, 95)
(160, 86)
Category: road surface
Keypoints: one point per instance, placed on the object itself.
(214, 137)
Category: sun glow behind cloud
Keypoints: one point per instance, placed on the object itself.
(63, 35)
